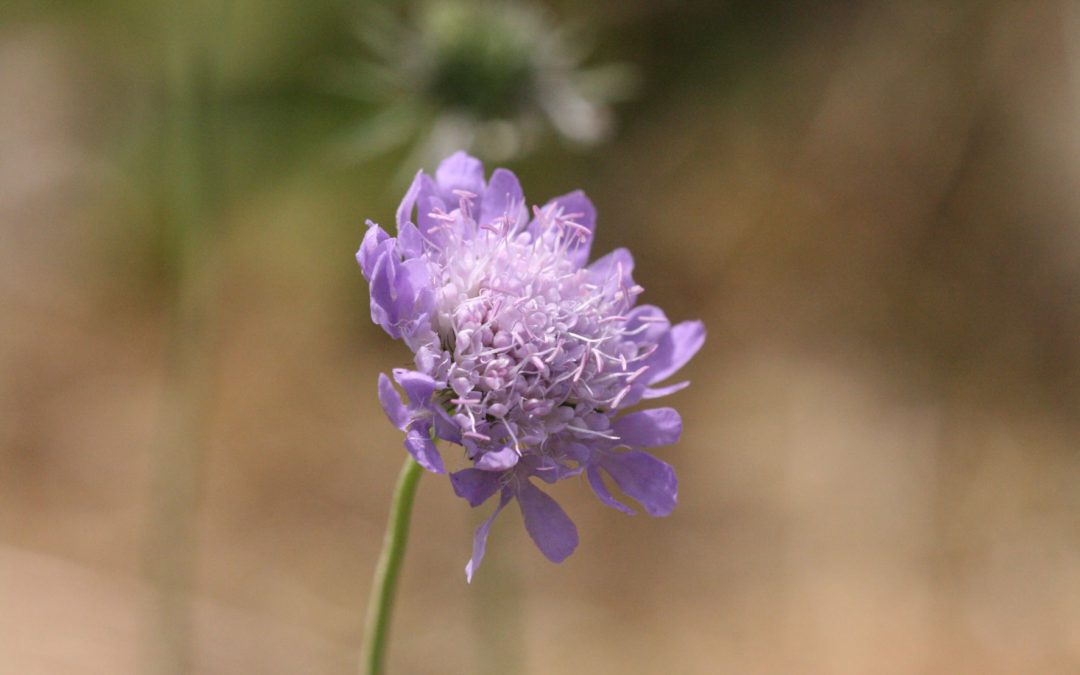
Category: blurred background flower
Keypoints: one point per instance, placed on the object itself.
(494, 78)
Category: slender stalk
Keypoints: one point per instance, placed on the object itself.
(192, 145)
(381, 602)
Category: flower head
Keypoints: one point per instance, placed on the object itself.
(525, 355)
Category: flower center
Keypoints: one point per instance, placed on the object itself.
(536, 345)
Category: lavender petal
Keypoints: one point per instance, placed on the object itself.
(405, 209)
(679, 346)
(550, 528)
(459, 171)
(481, 535)
(648, 428)
(371, 248)
(645, 478)
(596, 481)
(419, 387)
(498, 460)
(419, 444)
(581, 207)
(391, 403)
(504, 199)
(474, 485)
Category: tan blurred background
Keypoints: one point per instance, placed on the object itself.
(874, 207)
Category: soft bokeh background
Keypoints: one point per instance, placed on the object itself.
(874, 206)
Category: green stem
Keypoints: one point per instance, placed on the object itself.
(381, 603)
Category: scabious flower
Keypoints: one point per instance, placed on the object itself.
(525, 355)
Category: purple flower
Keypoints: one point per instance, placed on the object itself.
(525, 355)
